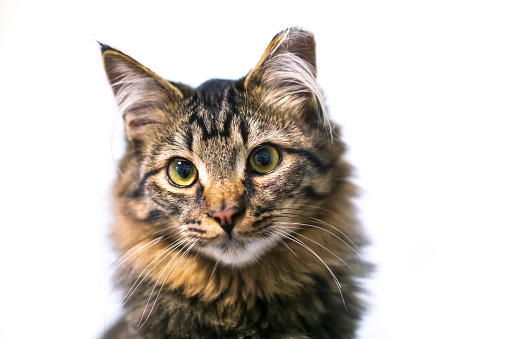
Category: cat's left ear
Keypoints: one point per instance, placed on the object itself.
(144, 98)
(285, 77)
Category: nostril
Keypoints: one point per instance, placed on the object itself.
(233, 218)
(226, 218)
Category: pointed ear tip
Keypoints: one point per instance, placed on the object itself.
(296, 34)
(297, 31)
(105, 47)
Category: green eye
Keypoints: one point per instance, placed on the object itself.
(181, 172)
(264, 159)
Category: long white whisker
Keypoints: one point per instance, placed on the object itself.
(160, 289)
(316, 207)
(323, 229)
(322, 222)
(281, 241)
(168, 249)
(291, 237)
(123, 261)
(334, 254)
(155, 284)
(357, 254)
(120, 275)
(214, 269)
(136, 243)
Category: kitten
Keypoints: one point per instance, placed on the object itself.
(233, 211)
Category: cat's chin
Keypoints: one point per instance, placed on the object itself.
(237, 252)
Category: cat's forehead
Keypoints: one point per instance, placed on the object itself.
(218, 117)
(213, 136)
(217, 129)
(213, 115)
(217, 126)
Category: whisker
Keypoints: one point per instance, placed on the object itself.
(256, 261)
(291, 237)
(136, 243)
(215, 266)
(316, 208)
(160, 289)
(320, 221)
(120, 275)
(357, 254)
(168, 250)
(298, 216)
(155, 284)
(123, 261)
(334, 254)
(313, 207)
(321, 228)
(281, 241)
(196, 254)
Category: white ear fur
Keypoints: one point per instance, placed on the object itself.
(143, 97)
(290, 84)
(286, 74)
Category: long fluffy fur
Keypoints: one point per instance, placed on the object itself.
(181, 275)
(290, 84)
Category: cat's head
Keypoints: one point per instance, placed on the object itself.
(219, 167)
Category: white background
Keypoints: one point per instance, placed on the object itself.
(420, 89)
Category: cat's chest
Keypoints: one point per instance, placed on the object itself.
(233, 314)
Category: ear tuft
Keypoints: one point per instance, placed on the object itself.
(286, 77)
(144, 98)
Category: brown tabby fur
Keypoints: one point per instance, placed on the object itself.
(300, 213)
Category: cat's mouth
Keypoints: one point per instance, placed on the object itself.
(234, 250)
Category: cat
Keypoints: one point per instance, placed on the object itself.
(233, 211)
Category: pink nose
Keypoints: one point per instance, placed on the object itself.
(225, 218)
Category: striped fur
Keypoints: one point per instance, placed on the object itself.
(288, 268)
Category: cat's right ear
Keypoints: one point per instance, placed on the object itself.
(284, 80)
(144, 98)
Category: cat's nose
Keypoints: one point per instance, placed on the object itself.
(226, 218)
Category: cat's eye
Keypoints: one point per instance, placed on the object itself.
(264, 159)
(181, 172)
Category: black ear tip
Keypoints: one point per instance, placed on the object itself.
(105, 47)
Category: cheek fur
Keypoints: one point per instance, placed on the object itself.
(260, 277)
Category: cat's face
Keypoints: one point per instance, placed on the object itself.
(221, 166)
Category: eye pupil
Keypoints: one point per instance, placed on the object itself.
(183, 169)
(263, 157)
(181, 172)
